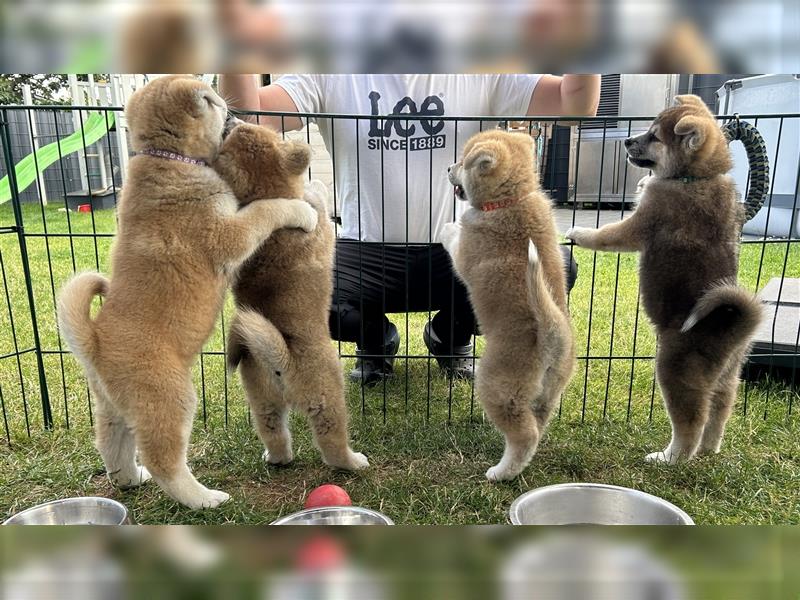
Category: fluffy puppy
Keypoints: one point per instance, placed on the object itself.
(687, 229)
(506, 252)
(181, 232)
(280, 335)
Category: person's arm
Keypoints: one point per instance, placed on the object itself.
(242, 92)
(569, 95)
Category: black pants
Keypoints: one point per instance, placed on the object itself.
(371, 279)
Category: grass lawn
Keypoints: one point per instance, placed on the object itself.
(426, 438)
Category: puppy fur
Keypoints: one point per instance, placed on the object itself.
(280, 335)
(511, 264)
(180, 234)
(687, 229)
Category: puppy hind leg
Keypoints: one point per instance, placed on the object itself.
(269, 409)
(163, 425)
(722, 401)
(511, 413)
(685, 382)
(554, 381)
(321, 397)
(115, 442)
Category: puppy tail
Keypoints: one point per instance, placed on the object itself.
(253, 335)
(726, 309)
(538, 290)
(74, 319)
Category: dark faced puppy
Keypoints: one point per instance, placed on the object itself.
(682, 142)
(687, 228)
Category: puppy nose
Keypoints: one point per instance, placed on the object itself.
(230, 122)
(449, 168)
(628, 142)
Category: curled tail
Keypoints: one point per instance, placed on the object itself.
(253, 335)
(727, 309)
(74, 320)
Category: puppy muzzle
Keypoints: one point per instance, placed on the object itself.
(230, 123)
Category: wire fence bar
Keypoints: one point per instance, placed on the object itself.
(43, 244)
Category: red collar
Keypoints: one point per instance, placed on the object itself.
(499, 204)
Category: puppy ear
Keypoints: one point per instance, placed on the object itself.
(295, 157)
(207, 97)
(693, 129)
(689, 100)
(481, 156)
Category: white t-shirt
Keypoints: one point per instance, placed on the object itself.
(391, 175)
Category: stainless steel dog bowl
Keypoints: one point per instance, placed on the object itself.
(335, 515)
(73, 511)
(594, 504)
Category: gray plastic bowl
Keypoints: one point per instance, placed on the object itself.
(594, 504)
(73, 511)
(335, 515)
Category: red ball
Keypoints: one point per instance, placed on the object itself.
(328, 495)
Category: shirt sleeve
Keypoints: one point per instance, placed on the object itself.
(511, 94)
(304, 90)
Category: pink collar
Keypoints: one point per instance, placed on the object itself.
(174, 156)
(499, 204)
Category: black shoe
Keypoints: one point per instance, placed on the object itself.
(370, 371)
(462, 365)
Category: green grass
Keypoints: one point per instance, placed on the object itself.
(427, 440)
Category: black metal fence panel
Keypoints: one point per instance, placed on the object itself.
(42, 245)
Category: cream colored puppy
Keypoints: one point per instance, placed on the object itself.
(506, 252)
(181, 233)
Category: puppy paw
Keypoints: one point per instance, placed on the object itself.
(358, 461)
(317, 194)
(707, 451)
(139, 477)
(352, 462)
(665, 456)
(209, 499)
(579, 235)
(278, 458)
(500, 472)
(449, 235)
(307, 217)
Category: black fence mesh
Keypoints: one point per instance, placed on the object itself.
(42, 244)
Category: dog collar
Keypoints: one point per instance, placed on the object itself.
(174, 156)
(499, 204)
(689, 179)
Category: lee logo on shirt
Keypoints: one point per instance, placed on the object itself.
(381, 135)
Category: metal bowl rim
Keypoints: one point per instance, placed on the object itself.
(321, 509)
(514, 509)
(71, 500)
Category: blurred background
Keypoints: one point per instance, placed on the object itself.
(263, 36)
(669, 563)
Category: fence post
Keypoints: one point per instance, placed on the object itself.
(47, 413)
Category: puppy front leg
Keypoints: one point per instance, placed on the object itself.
(617, 237)
(450, 237)
(243, 232)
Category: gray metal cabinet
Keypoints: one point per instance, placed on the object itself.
(599, 170)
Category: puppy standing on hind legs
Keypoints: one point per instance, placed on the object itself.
(181, 233)
(687, 228)
(280, 335)
(505, 250)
